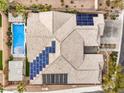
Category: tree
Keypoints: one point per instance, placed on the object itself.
(113, 79)
(3, 5)
(21, 87)
(20, 9)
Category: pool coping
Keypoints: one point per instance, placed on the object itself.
(19, 55)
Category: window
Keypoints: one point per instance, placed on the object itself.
(54, 78)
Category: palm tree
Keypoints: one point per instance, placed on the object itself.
(3, 5)
(21, 87)
(1, 88)
(113, 80)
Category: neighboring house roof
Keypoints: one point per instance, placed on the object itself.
(112, 34)
(70, 39)
(16, 70)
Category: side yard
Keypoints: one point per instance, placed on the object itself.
(1, 64)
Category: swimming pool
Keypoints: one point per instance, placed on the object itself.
(18, 30)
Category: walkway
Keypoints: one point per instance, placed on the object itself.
(6, 51)
(73, 90)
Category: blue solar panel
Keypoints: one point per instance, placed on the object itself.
(53, 50)
(85, 19)
(44, 65)
(44, 59)
(44, 52)
(40, 67)
(41, 60)
(37, 71)
(47, 49)
(31, 77)
(40, 55)
(53, 43)
(34, 74)
(47, 55)
(47, 61)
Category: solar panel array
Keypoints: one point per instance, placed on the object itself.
(85, 19)
(41, 60)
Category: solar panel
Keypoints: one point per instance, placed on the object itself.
(34, 74)
(53, 43)
(44, 65)
(37, 59)
(40, 67)
(85, 19)
(37, 70)
(31, 77)
(41, 60)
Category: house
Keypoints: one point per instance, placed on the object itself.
(62, 48)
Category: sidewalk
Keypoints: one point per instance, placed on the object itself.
(74, 90)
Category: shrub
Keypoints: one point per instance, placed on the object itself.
(62, 1)
(72, 2)
(10, 58)
(113, 17)
(9, 33)
(82, 5)
(66, 6)
(9, 43)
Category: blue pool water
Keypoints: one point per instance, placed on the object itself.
(18, 38)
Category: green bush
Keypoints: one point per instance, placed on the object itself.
(27, 68)
(9, 33)
(40, 8)
(3, 5)
(10, 58)
(9, 43)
